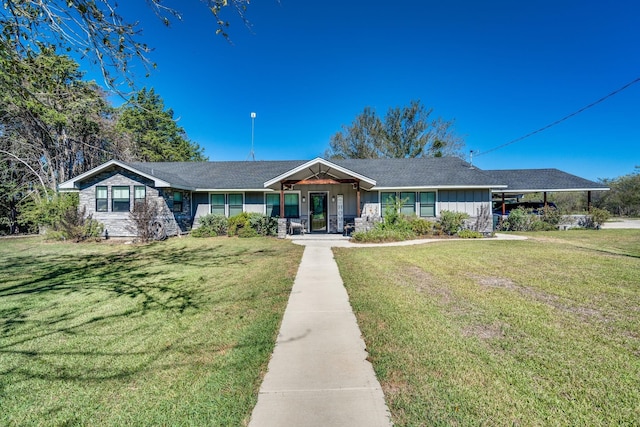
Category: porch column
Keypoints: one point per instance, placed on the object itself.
(545, 199)
(504, 208)
(358, 210)
(281, 200)
(589, 201)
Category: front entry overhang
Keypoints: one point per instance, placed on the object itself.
(319, 171)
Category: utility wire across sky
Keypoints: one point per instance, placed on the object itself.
(586, 107)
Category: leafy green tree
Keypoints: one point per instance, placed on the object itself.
(93, 28)
(54, 124)
(12, 187)
(155, 135)
(359, 140)
(624, 197)
(405, 132)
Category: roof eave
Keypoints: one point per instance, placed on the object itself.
(229, 190)
(72, 184)
(327, 163)
(552, 190)
(439, 187)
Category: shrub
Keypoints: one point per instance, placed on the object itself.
(421, 226)
(470, 234)
(247, 232)
(237, 222)
(483, 219)
(595, 219)
(522, 219)
(452, 222)
(552, 216)
(251, 225)
(211, 225)
(74, 225)
(264, 225)
(381, 235)
(437, 229)
(46, 211)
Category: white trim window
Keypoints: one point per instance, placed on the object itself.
(292, 205)
(218, 204)
(272, 204)
(389, 198)
(408, 203)
(236, 203)
(102, 202)
(427, 201)
(120, 198)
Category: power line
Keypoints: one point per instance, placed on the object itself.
(513, 141)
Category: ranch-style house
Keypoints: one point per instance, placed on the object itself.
(318, 196)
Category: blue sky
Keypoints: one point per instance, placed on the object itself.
(501, 69)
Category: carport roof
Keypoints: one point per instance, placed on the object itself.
(542, 180)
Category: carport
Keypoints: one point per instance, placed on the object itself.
(523, 181)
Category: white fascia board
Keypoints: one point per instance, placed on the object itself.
(71, 184)
(231, 190)
(441, 187)
(552, 190)
(315, 162)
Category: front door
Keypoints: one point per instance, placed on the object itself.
(318, 211)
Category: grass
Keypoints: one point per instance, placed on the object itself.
(173, 333)
(537, 332)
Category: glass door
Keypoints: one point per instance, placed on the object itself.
(318, 211)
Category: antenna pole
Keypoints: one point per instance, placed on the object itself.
(252, 154)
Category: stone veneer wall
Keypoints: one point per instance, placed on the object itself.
(363, 224)
(118, 224)
(282, 228)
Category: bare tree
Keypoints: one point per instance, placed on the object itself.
(145, 223)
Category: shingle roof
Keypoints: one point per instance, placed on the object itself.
(222, 175)
(420, 172)
(386, 173)
(527, 180)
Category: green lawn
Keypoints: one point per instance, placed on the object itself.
(537, 332)
(173, 333)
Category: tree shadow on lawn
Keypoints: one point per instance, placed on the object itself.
(71, 295)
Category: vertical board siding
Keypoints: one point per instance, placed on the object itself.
(467, 201)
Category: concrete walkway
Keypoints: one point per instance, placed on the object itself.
(318, 374)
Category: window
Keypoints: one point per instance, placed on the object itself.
(139, 194)
(408, 203)
(291, 205)
(217, 204)
(235, 204)
(387, 200)
(177, 201)
(120, 199)
(102, 205)
(273, 204)
(428, 204)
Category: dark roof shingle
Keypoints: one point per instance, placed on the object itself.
(388, 173)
